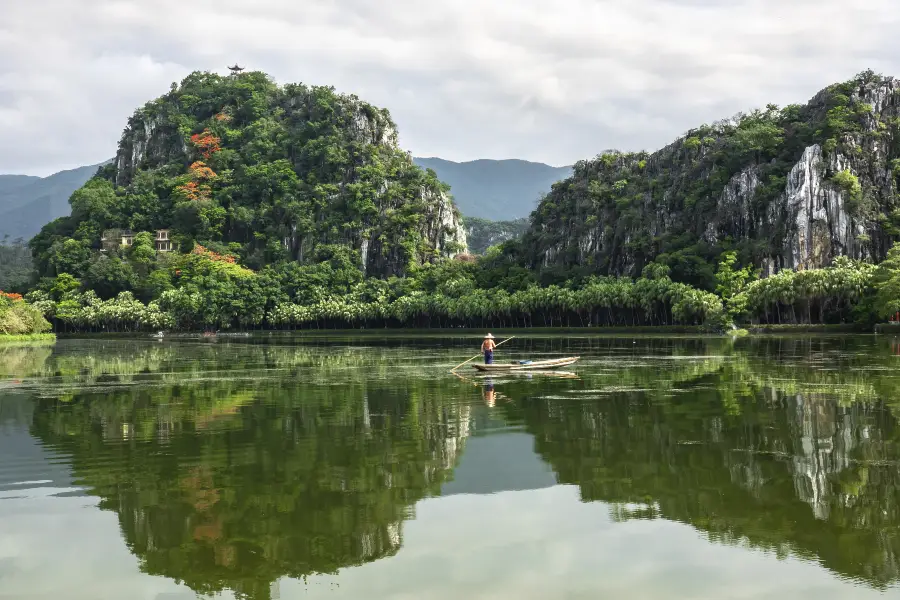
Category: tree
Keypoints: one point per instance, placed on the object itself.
(69, 256)
(887, 284)
(142, 254)
(110, 275)
(731, 282)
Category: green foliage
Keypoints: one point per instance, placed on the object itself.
(455, 302)
(828, 295)
(20, 318)
(110, 275)
(271, 172)
(68, 256)
(715, 190)
(87, 312)
(213, 294)
(895, 167)
(62, 286)
(730, 283)
(887, 284)
(849, 183)
(28, 339)
(759, 134)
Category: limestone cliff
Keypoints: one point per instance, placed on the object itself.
(295, 168)
(482, 233)
(788, 188)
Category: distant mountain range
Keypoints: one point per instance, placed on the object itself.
(499, 190)
(28, 203)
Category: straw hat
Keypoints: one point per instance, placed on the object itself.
(489, 337)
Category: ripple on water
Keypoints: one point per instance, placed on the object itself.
(237, 469)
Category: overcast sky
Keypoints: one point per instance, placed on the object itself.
(547, 81)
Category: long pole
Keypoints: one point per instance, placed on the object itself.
(479, 354)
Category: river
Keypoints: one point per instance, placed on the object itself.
(360, 467)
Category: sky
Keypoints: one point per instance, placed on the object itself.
(552, 82)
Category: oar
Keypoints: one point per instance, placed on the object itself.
(479, 354)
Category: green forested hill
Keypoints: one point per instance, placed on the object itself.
(293, 207)
(499, 190)
(262, 173)
(790, 187)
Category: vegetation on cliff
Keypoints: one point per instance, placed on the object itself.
(790, 187)
(270, 175)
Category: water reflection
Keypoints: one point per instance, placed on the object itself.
(230, 467)
(226, 487)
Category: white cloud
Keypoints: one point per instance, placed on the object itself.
(464, 78)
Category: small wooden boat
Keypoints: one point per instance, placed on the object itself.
(529, 374)
(528, 365)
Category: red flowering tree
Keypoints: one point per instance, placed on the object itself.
(206, 142)
(203, 251)
(194, 190)
(199, 170)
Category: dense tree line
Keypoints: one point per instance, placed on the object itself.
(205, 290)
(211, 292)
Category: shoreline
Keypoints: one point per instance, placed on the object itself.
(27, 338)
(643, 331)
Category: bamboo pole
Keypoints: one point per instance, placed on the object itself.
(479, 354)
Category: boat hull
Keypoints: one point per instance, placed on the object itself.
(538, 365)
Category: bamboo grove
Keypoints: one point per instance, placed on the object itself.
(448, 295)
(613, 302)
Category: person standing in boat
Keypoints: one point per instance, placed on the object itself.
(487, 346)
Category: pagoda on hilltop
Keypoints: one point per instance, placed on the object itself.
(235, 70)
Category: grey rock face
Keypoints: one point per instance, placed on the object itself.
(805, 223)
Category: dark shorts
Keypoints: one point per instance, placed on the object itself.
(488, 357)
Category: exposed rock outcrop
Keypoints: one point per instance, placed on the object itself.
(352, 185)
(790, 188)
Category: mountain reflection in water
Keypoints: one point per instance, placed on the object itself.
(232, 466)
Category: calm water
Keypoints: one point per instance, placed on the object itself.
(664, 468)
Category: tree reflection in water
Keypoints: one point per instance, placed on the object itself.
(230, 470)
